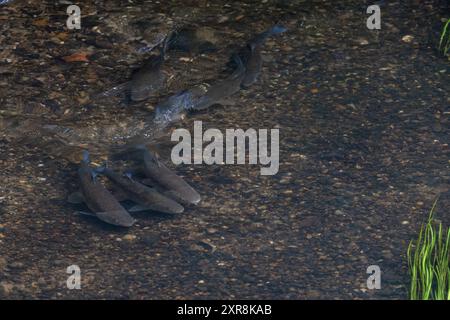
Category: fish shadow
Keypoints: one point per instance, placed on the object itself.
(148, 215)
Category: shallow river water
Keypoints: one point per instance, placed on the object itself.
(363, 119)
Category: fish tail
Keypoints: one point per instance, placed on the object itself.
(165, 45)
(86, 157)
(114, 91)
(261, 38)
(100, 169)
(277, 29)
(240, 65)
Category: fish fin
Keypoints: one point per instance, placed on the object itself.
(101, 169)
(138, 207)
(86, 156)
(114, 91)
(148, 182)
(237, 59)
(277, 29)
(85, 213)
(154, 157)
(94, 175)
(128, 174)
(158, 162)
(75, 198)
(165, 44)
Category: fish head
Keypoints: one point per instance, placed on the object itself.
(173, 108)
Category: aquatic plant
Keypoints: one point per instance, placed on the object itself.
(428, 261)
(444, 43)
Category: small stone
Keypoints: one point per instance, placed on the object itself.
(223, 19)
(211, 230)
(42, 22)
(5, 288)
(408, 38)
(15, 265)
(313, 294)
(363, 42)
(129, 237)
(3, 263)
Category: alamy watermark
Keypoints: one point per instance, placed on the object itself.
(374, 280)
(234, 140)
(74, 280)
(374, 21)
(74, 19)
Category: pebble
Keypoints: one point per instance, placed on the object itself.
(363, 42)
(5, 288)
(408, 38)
(223, 19)
(15, 265)
(129, 237)
(211, 230)
(3, 263)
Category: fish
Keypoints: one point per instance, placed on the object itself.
(149, 79)
(251, 54)
(174, 107)
(146, 81)
(98, 199)
(253, 66)
(146, 198)
(261, 38)
(172, 185)
(198, 98)
(219, 92)
(149, 46)
(192, 41)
